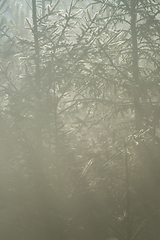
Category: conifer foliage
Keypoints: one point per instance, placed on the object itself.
(79, 120)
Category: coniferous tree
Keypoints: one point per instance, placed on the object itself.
(124, 48)
(79, 117)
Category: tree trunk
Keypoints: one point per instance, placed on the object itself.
(37, 79)
(137, 94)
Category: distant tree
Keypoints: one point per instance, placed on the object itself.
(40, 92)
(127, 63)
(78, 121)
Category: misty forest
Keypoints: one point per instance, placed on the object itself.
(80, 120)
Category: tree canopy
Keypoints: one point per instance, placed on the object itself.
(79, 120)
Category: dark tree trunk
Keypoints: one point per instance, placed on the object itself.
(138, 113)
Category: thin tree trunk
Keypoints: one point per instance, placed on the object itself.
(128, 203)
(37, 77)
(36, 45)
(138, 114)
(43, 8)
(58, 169)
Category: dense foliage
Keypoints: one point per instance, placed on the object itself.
(79, 120)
